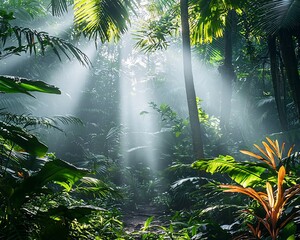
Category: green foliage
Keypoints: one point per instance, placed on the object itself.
(59, 7)
(25, 9)
(32, 196)
(155, 35)
(34, 42)
(283, 15)
(11, 135)
(181, 147)
(33, 122)
(244, 173)
(43, 197)
(102, 19)
(182, 228)
(272, 215)
(12, 84)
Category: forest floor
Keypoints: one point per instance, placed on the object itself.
(134, 220)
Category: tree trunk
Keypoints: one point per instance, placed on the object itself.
(291, 66)
(227, 74)
(278, 84)
(189, 83)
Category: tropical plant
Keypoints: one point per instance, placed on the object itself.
(103, 19)
(34, 42)
(273, 204)
(39, 193)
(281, 37)
(280, 206)
(181, 227)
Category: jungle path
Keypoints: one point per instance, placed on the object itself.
(134, 220)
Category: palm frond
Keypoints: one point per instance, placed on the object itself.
(39, 42)
(205, 28)
(208, 18)
(103, 19)
(33, 121)
(163, 5)
(276, 14)
(114, 132)
(59, 7)
(155, 35)
(245, 174)
(16, 103)
(90, 185)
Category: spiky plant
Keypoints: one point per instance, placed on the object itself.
(273, 202)
(279, 205)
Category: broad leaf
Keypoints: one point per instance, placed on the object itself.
(54, 171)
(245, 174)
(60, 172)
(23, 139)
(12, 84)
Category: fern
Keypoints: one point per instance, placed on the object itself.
(31, 121)
(96, 187)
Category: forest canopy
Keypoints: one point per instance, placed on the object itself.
(149, 119)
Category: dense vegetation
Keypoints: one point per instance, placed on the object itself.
(116, 108)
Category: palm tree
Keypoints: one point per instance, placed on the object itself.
(279, 22)
(215, 19)
(189, 83)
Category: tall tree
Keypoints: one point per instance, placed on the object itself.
(278, 82)
(279, 21)
(189, 82)
(227, 72)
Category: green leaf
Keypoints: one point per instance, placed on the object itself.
(147, 223)
(23, 139)
(12, 84)
(55, 171)
(243, 173)
(289, 231)
(60, 172)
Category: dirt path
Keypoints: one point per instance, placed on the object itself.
(134, 220)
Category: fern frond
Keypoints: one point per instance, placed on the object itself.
(90, 185)
(27, 120)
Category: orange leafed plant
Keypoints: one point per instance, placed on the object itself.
(270, 174)
(273, 202)
(270, 153)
